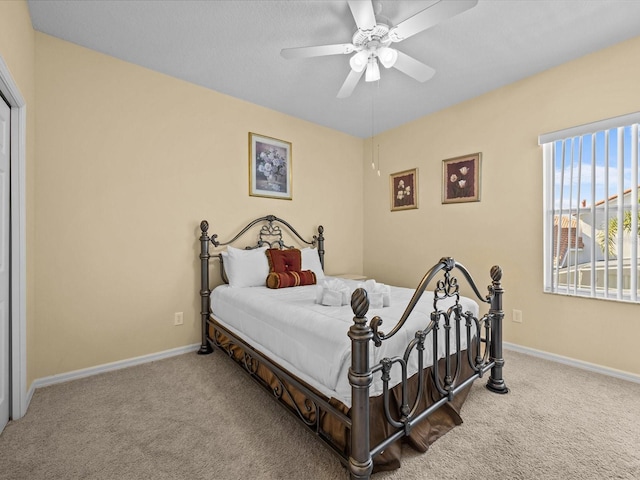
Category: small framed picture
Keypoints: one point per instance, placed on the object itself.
(269, 167)
(404, 190)
(461, 179)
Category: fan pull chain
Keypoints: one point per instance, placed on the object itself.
(373, 159)
(373, 116)
(373, 120)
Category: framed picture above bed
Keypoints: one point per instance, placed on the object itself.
(269, 167)
(461, 179)
(404, 190)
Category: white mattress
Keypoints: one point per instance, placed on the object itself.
(311, 341)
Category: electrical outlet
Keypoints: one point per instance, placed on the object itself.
(517, 316)
(178, 318)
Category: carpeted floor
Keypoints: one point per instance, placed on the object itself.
(193, 417)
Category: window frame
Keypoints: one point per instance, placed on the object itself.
(552, 214)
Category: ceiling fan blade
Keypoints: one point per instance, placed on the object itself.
(412, 67)
(317, 51)
(363, 14)
(429, 17)
(350, 83)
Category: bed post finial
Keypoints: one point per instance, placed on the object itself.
(205, 348)
(496, 274)
(319, 239)
(360, 378)
(496, 382)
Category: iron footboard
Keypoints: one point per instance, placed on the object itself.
(483, 353)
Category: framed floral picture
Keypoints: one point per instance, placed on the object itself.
(269, 167)
(404, 190)
(461, 179)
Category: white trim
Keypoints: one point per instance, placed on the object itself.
(29, 396)
(110, 367)
(19, 397)
(587, 128)
(592, 367)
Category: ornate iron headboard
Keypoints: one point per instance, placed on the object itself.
(272, 230)
(270, 234)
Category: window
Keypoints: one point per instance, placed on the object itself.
(591, 222)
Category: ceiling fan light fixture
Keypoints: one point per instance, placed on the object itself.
(359, 61)
(387, 56)
(373, 70)
(373, 37)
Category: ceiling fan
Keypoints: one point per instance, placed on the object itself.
(372, 41)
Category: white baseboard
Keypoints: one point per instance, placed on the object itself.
(107, 367)
(27, 399)
(592, 367)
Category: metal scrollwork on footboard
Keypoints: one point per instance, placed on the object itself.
(483, 353)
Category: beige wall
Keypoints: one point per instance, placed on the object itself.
(129, 162)
(17, 49)
(505, 228)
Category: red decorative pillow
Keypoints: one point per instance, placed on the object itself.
(287, 260)
(290, 279)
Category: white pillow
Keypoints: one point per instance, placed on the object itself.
(311, 261)
(246, 268)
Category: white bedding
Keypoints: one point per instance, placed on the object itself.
(310, 340)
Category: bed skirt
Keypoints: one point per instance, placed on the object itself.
(334, 430)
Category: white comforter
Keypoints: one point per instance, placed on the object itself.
(311, 340)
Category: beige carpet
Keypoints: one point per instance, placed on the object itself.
(192, 417)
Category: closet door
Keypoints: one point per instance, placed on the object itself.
(5, 152)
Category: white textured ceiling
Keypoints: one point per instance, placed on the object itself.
(233, 47)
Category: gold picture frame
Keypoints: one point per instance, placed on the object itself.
(270, 161)
(404, 190)
(461, 179)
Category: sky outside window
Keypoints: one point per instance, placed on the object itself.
(574, 187)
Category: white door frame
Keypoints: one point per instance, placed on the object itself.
(18, 260)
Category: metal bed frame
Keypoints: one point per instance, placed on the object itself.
(482, 355)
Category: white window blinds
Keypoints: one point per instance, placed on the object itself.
(591, 209)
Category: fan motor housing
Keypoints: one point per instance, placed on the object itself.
(372, 39)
